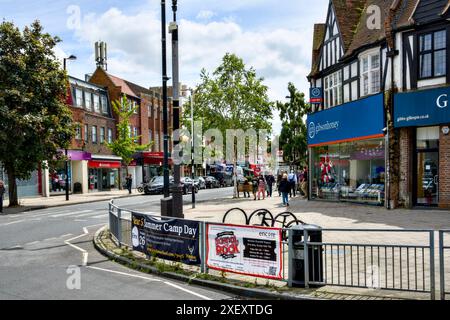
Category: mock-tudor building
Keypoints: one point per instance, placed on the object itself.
(379, 134)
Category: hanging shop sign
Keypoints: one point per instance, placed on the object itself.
(249, 250)
(357, 120)
(170, 239)
(315, 95)
(422, 108)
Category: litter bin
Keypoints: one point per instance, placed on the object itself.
(77, 187)
(297, 257)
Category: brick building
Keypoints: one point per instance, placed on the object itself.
(146, 122)
(378, 130)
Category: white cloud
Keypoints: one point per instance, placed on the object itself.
(134, 45)
(205, 15)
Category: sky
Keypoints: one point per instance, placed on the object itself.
(274, 37)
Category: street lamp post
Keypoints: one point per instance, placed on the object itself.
(164, 93)
(192, 147)
(66, 165)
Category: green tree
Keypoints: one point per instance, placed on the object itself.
(125, 145)
(293, 136)
(35, 121)
(233, 97)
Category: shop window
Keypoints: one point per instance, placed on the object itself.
(349, 172)
(432, 54)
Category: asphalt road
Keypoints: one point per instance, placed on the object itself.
(42, 256)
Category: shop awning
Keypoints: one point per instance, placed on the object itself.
(104, 164)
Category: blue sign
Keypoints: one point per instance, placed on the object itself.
(363, 118)
(315, 95)
(422, 108)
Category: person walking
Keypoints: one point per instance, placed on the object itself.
(292, 179)
(284, 188)
(254, 187)
(246, 186)
(270, 181)
(304, 184)
(2, 192)
(279, 178)
(129, 182)
(261, 188)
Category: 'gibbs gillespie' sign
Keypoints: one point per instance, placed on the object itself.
(422, 108)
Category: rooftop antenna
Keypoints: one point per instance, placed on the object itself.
(101, 55)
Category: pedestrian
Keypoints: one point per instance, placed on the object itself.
(292, 179)
(246, 186)
(284, 188)
(270, 181)
(129, 182)
(254, 187)
(305, 182)
(2, 192)
(279, 178)
(261, 188)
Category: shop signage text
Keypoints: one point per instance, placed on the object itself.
(355, 120)
(422, 108)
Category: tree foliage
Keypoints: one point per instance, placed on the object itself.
(125, 145)
(293, 137)
(35, 121)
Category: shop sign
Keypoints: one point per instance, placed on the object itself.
(315, 95)
(104, 164)
(170, 239)
(248, 250)
(356, 120)
(422, 108)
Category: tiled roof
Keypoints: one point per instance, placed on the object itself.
(348, 14)
(319, 32)
(123, 84)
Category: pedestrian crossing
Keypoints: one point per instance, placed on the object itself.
(70, 215)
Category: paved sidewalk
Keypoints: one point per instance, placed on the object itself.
(37, 203)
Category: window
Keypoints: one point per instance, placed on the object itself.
(156, 142)
(79, 97)
(333, 89)
(102, 135)
(150, 135)
(88, 100)
(96, 103)
(78, 132)
(135, 134)
(94, 134)
(135, 108)
(432, 54)
(370, 74)
(86, 133)
(129, 131)
(104, 104)
(109, 135)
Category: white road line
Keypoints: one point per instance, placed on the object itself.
(100, 216)
(31, 243)
(124, 274)
(79, 220)
(86, 214)
(49, 239)
(10, 223)
(84, 252)
(186, 290)
(66, 235)
(85, 230)
(70, 213)
(95, 225)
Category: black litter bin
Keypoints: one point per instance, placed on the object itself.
(77, 187)
(315, 261)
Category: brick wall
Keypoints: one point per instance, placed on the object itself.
(405, 166)
(444, 170)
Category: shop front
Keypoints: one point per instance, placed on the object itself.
(423, 119)
(152, 164)
(103, 174)
(347, 152)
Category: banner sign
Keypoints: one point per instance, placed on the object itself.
(170, 239)
(356, 120)
(422, 108)
(248, 250)
(315, 95)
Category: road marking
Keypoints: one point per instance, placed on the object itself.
(70, 213)
(31, 243)
(124, 274)
(84, 252)
(86, 214)
(10, 223)
(186, 290)
(79, 220)
(100, 216)
(65, 235)
(49, 239)
(85, 230)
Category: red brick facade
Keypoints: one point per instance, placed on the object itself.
(444, 169)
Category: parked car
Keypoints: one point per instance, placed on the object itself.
(200, 182)
(211, 182)
(156, 185)
(188, 185)
(225, 180)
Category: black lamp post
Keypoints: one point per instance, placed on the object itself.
(66, 165)
(164, 93)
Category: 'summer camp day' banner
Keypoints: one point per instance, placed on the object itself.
(254, 251)
(171, 239)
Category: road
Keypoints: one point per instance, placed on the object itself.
(42, 253)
